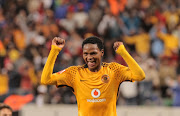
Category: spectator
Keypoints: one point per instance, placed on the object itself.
(141, 42)
(80, 18)
(5, 110)
(3, 84)
(170, 43)
(167, 70)
(175, 86)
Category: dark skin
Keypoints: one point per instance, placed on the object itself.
(92, 55)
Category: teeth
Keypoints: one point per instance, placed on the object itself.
(91, 61)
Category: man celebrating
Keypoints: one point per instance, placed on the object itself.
(96, 83)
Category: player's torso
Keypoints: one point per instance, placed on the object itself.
(96, 91)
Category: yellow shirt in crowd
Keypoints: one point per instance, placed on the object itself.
(3, 84)
(141, 42)
(170, 43)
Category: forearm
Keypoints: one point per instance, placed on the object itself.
(46, 77)
(137, 73)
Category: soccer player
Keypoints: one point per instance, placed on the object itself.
(96, 83)
(5, 110)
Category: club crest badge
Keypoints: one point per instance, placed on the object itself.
(95, 93)
(105, 78)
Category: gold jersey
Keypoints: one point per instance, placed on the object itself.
(96, 92)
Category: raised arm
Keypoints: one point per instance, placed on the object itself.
(47, 78)
(135, 72)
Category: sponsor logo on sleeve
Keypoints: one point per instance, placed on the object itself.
(61, 71)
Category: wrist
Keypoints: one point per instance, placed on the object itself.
(53, 47)
(120, 50)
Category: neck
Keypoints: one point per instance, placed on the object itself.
(96, 69)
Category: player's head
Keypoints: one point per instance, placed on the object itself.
(93, 40)
(93, 50)
(5, 110)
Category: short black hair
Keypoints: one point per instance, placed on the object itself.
(94, 40)
(2, 106)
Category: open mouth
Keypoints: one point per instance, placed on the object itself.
(91, 63)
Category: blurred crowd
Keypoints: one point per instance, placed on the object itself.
(149, 29)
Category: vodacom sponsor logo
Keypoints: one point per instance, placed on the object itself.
(95, 94)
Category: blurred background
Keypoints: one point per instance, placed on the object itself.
(150, 30)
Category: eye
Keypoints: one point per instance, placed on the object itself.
(85, 54)
(93, 53)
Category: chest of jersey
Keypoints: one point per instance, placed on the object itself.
(99, 85)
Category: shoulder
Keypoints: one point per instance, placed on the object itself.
(112, 65)
(74, 69)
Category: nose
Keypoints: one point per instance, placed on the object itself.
(89, 57)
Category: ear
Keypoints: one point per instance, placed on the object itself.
(102, 52)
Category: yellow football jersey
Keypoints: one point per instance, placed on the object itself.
(96, 92)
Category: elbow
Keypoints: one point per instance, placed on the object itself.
(142, 76)
(44, 79)
(47, 82)
(42, 82)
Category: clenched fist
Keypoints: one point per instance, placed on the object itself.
(117, 44)
(59, 42)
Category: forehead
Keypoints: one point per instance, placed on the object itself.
(90, 47)
(5, 111)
